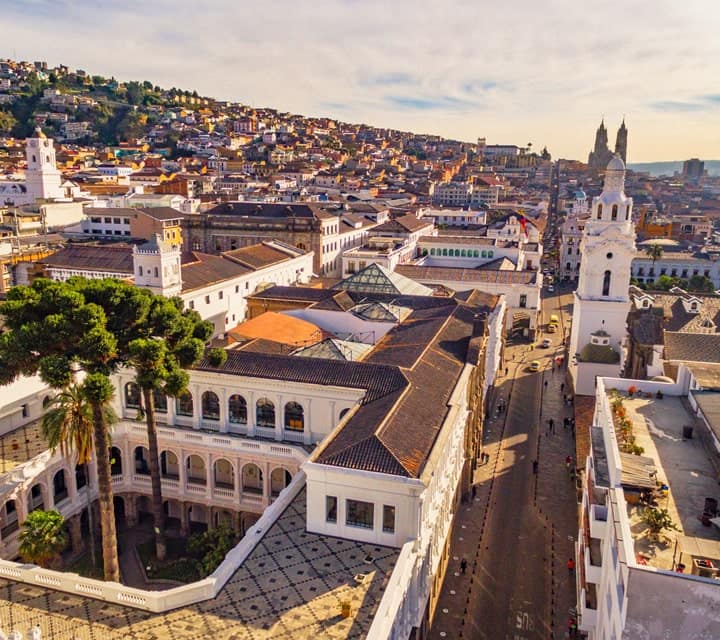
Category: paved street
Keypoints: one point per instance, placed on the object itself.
(518, 532)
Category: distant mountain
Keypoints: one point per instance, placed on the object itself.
(671, 167)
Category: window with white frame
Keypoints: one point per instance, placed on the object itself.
(359, 514)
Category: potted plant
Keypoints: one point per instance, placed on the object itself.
(657, 521)
(632, 390)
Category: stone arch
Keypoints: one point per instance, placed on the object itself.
(599, 211)
(141, 455)
(210, 406)
(120, 514)
(343, 413)
(160, 400)
(9, 522)
(265, 413)
(184, 404)
(132, 396)
(80, 478)
(197, 517)
(116, 461)
(223, 474)
(196, 470)
(294, 416)
(614, 212)
(143, 506)
(279, 479)
(237, 409)
(169, 465)
(252, 479)
(36, 497)
(60, 486)
(606, 282)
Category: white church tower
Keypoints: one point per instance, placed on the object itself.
(42, 177)
(602, 300)
(157, 267)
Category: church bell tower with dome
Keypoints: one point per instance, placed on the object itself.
(602, 300)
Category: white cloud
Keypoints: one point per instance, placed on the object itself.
(513, 72)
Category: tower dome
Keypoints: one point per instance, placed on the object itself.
(615, 175)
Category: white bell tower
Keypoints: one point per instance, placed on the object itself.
(157, 267)
(42, 178)
(602, 300)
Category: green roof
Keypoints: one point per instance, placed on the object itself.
(600, 353)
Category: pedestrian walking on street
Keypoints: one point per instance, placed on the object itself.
(568, 462)
(571, 567)
(535, 467)
(546, 384)
(506, 371)
(474, 491)
(463, 566)
(562, 387)
(551, 424)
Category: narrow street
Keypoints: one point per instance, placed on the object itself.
(518, 532)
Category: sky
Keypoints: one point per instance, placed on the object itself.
(527, 71)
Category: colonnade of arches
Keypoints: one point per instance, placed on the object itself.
(293, 413)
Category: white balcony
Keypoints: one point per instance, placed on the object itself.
(593, 572)
(588, 615)
(598, 521)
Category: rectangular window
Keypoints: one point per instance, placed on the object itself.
(108, 232)
(330, 508)
(108, 220)
(359, 514)
(523, 300)
(25, 411)
(191, 304)
(96, 220)
(116, 220)
(237, 288)
(207, 299)
(388, 518)
(126, 220)
(220, 295)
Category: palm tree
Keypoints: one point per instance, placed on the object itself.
(654, 251)
(43, 537)
(174, 339)
(68, 424)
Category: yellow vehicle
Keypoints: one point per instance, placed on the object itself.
(554, 319)
(552, 328)
(535, 365)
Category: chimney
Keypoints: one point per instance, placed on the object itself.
(479, 324)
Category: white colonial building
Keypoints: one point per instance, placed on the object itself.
(602, 300)
(571, 236)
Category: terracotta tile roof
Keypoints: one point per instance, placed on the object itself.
(201, 269)
(92, 257)
(294, 294)
(267, 210)
(404, 224)
(694, 347)
(257, 256)
(279, 327)
(454, 274)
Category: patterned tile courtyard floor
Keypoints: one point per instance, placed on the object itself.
(291, 586)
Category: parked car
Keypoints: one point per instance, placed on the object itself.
(551, 289)
(552, 328)
(535, 365)
(545, 344)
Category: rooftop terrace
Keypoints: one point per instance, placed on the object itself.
(290, 586)
(684, 465)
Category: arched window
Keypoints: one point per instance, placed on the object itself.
(343, 413)
(476, 253)
(140, 270)
(184, 404)
(613, 215)
(157, 273)
(237, 408)
(424, 252)
(47, 159)
(606, 283)
(142, 461)
(457, 253)
(210, 406)
(160, 400)
(444, 252)
(627, 212)
(432, 251)
(491, 253)
(568, 265)
(294, 416)
(60, 490)
(34, 159)
(265, 413)
(463, 253)
(115, 461)
(484, 254)
(599, 213)
(132, 396)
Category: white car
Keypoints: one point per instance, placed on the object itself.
(551, 288)
(546, 343)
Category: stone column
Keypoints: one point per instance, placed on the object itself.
(184, 521)
(197, 405)
(280, 419)
(131, 515)
(237, 522)
(267, 494)
(223, 410)
(76, 538)
(251, 414)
